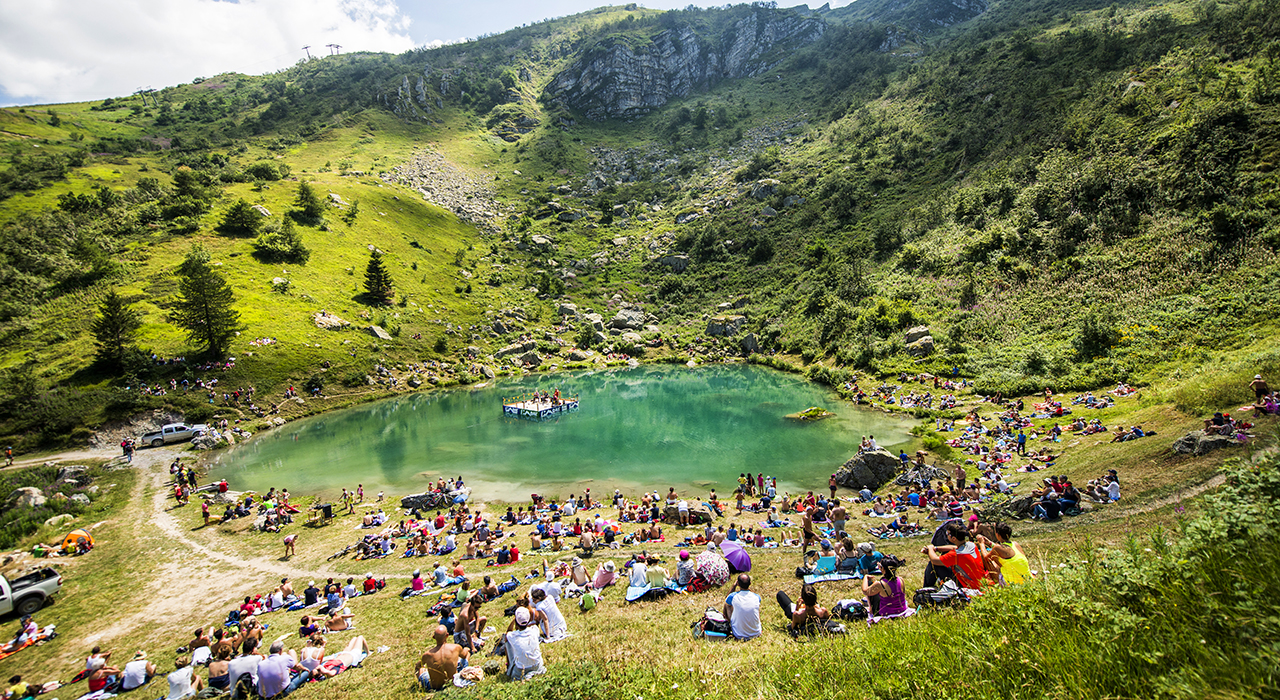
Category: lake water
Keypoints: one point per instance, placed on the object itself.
(646, 427)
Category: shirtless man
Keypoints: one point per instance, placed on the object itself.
(838, 516)
(285, 587)
(356, 650)
(436, 667)
(807, 525)
(468, 624)
(489, 590)
(222, 642)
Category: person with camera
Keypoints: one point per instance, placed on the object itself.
(962, 558)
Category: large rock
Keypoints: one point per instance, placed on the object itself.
(678, 262)
(1198, 443)
(764, 189)
(596, 321)
(869, 470)
(516, 349)
(567, 309)
(726, 325)
(697, 514)
(921, 347)
(632, 337)
(915, 333)
(25, 497)
(530, 359)
(379, 332)
(749, 343)
(628, 318)
(80, 498)
(59, 520)
(71, 471)
(328, 321)
(576, 355)
(568, 217)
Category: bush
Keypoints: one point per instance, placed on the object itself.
(314, 383)
(277, 244)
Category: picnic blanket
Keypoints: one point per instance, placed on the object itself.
(41, 635)
(833, 576)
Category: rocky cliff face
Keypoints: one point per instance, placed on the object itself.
(918, 16)
(625, 76)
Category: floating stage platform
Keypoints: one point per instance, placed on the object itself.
(536, 408)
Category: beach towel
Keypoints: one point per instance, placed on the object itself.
(823, 578)
(41, 635)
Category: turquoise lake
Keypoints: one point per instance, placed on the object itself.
(647, 427)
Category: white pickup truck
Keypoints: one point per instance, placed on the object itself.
(27, 594)
(174, 432)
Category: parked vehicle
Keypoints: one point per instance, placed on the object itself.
(174, 432)
(27, 594)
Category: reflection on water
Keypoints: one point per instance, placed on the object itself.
(644, 427)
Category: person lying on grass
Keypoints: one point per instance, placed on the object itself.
(355, 652)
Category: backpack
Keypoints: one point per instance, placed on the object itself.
(850, 609)
(233, 618)
(948, 595)
(712, 625)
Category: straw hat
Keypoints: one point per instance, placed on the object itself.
(142, 654)
(610, 567)
(576, 562)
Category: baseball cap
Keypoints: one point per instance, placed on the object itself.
(522, 616)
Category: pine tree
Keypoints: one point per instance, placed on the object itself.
(281, 244)
(241, 220)
(203, 307)
(310, 208)
(377, 279)
(115, 329)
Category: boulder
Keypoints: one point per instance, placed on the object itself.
(92, 490)
(768, 212)
(620, 211)
(278, 281)
(678, 262)
(599, 338)
(764, 189)
(543, 243)
(869, 470)
(688, 217)
(487, 371)
(516, 349)
(628, 318)
(576, 355)
(379, 332)
(415, 382)
(793, 201)
(265, 212)
(1198, 443)
(568, 217)
(567, 309)
(71, 471)
(80, 498)
(632, 337)
(500, 328)
(59, 520)
(328, 321)
(530, 359)
(921, 347)
(620, 241)
(25, 497)
(749, 343)
(915, 333)
(698, 514)
(726, 325)
(596, 321)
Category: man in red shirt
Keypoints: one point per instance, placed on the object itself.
(963, 557)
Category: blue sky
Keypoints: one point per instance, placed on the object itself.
(72, 50)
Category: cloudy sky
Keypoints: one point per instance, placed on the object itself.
(71, 50)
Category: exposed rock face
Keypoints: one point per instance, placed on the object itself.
(379, 332)
(869, 470)
(531, 359)
(622, 76)
(1197, 443)
(726, 325)
(749, 343)
(913, 15)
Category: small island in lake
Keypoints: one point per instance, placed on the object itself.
(812, 413)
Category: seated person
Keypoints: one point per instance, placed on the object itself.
(806, 615)
(888, 596)
(137, 672)
(522, 643)
(606, 575)
(437, 666)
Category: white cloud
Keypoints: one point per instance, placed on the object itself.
(72, 50)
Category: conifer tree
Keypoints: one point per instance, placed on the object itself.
(377, 279)
(115, 329)
(241, 220)
(204, 302)
(310, 206)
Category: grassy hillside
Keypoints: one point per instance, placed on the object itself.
(1070, 195)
